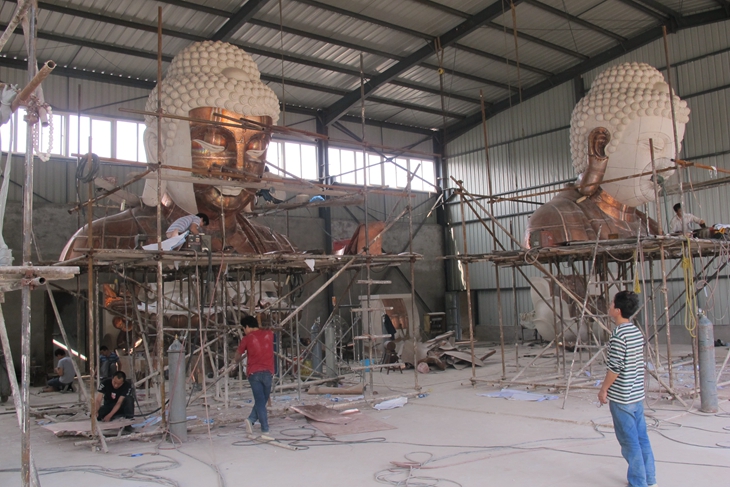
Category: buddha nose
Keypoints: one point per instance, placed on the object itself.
(240, 155)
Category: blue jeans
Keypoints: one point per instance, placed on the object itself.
(630, 427)
(261, 387)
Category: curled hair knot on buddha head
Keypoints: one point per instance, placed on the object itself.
(617, 96)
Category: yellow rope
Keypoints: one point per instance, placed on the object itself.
(690, 306)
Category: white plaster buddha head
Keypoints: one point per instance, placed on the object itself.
(214, 81)
(631, 101)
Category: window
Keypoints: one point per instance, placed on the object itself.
(99, 131)
(53, 134)
(130, 141)
(292, 159)
(70, 135)
(346, 167)
(124, 140)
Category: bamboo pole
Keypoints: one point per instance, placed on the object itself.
(160, 285)
(17, 396)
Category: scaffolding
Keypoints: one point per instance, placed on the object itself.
(211, 291)
(583, 276)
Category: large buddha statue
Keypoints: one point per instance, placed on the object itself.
(207, 81)
(610, 129)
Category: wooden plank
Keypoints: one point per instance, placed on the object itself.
(83, 428)
(466, 357)
(354, 390)
(362, 423)
(319, 413)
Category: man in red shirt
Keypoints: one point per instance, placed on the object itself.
(260, 370)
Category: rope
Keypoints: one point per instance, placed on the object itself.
(690, 308)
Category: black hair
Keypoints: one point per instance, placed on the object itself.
(627, 302)
(203, 218)
(120, 375)
(103, 348)
(59, 352)
(249, 321)
(677, 207)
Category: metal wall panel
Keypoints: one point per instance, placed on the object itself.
(529, 146)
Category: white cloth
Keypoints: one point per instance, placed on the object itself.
(676, 224)
(169, 244)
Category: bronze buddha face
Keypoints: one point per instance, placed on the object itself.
(227, 149)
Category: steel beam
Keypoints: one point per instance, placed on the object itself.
(493, 25)
(635, 4)
(575, 20)
(250, 49)
(642, 39)
(420, 35)
(339, 108)
(236, 21)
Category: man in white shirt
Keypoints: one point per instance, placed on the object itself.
(681, 221)
(191, 222)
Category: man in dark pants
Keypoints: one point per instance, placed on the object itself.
(260, 369)
(117, 395)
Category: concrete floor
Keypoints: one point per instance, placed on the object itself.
(459, 437)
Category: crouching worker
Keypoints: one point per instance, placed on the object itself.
(65, 371)
(117, 395)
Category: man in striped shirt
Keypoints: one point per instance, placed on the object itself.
(190, 222)
(623, 389)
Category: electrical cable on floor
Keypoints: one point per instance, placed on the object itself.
(141, 473)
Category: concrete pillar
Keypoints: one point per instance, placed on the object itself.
(178, 414)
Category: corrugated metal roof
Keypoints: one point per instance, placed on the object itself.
(322, 38)
(619, 18)
(502, 43)
(323, 22)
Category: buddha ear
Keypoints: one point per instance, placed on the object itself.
(150, 143)
(598, 139)
(149, 193)
(590, 180)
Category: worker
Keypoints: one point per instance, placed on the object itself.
(108, 362)
(681, 221)
(65, 371)
(117, 395)
(193, 223)
(623, 389)
(260, 368)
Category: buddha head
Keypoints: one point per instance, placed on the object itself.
(629, 105)
(219, 83)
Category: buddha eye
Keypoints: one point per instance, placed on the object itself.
(207, 148)
(258, 142)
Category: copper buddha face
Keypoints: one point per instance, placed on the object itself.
(227, 149)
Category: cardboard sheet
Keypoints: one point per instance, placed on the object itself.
(322, 414)
(360, 423)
